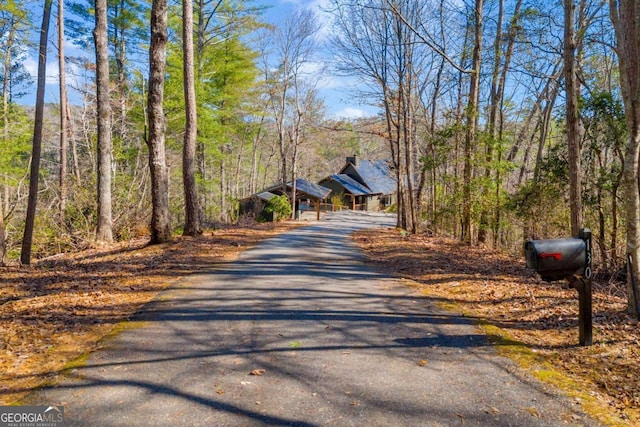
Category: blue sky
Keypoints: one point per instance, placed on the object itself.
(336, 91)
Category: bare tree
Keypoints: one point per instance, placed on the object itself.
(104, 231)
(160, 217)
(27, 241)
(12, 23)
(472, 121)
(627, 27)
(572, 89)
(501, 67)
(295, 46)
(64, 120)
(379, 43)
(192, 210)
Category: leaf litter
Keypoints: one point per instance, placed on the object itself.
(60, 308)
(523, 311)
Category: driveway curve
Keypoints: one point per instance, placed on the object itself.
(300, 331)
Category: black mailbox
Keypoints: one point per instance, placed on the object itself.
(556, 259)
(570, 259)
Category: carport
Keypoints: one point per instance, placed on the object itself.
(305, 190)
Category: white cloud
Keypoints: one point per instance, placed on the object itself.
(53, 73)
(31, 65)
(319, 7)
(327, 81)
(324, 18)
(69, 45)
(352, 113)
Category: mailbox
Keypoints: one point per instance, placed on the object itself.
(570, 259)
(556, 259)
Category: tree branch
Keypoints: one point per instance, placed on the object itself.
(426, 41)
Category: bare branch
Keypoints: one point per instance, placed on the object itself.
(426, 41)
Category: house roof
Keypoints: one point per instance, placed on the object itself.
(311, 189)
(376, 175)
(304, 187)
(351, 185)
(265, 195)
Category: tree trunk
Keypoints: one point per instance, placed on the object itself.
(27, 241)
(192, 209)
(5, 134)
(627, 27)
(572, 89)
(74, 153)
(120, 54)
(492, 125)
(104, 233)
(160, 218)
(294, 175)
(498, 121)
(63, 113)
(253, 184)
(459, 116)
(3, 237)
(223, 188)
(545, 124)
(7, 77)
(498, 81)
(472, 123)
(614, 209)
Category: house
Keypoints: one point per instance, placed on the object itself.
(363, 185)
(359, 185)
(308, 195)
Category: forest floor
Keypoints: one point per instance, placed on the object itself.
(58, 310)
(530, 321)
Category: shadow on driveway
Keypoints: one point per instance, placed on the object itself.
(300, 331)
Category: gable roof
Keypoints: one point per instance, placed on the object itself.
(303, 187)
(351, 185)
(311, 189)
(265, 195)
(376, 175)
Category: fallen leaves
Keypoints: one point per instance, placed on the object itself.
(493, 411)
(533, 411)
(61, 307)
(500, 291)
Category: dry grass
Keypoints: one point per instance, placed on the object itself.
(531, 321)
(60, 309)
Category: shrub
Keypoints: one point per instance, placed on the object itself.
(280, 207)
(337, 201)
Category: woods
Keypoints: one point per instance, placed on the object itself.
(500, 120)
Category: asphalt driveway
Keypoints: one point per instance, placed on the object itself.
(300, 331)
